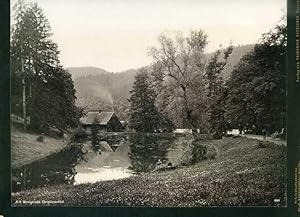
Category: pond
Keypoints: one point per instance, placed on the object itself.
(114, 157)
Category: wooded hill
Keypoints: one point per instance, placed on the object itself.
(97, 88)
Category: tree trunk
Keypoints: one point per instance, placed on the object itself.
(189, 117)
(24, 177)
(24, 91)
(24, 104)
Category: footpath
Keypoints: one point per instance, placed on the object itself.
(261, 138)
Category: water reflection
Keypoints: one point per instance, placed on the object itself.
(106, 163)
(148, 149)
(58, 168)
(114, 157)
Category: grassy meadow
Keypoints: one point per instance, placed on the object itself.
(25, 148)
(243, 173)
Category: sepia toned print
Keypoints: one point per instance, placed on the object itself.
(154, 104)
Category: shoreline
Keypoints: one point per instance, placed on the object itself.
(242, 174)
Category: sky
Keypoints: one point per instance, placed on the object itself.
(116, 34)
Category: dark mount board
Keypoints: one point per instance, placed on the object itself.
(293, 150)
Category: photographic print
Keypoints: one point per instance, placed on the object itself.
(129, 103)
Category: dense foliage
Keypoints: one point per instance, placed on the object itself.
(38, 80)
(216, 91)
(256, 88)
(97, 89)
(194, 93)
(144, 115)
(178, 71)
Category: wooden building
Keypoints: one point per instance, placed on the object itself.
(106, 121)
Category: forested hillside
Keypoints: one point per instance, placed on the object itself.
(97, 88)
(86, 70)
(106, 91)
(234, 58)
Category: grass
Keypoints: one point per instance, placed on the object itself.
(242, 174)
(25, 148)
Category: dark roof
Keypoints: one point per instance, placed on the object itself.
(103, 117)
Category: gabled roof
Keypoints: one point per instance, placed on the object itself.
(103, 118)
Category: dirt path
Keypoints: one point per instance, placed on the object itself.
(260, 137)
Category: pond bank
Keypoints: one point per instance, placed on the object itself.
(25, 149)
(242, 174)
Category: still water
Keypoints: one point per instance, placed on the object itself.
(113, 158)
(103, 164)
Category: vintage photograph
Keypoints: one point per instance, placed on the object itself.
(158, 103)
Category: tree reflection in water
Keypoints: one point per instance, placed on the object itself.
(147, 149)
(58, 168)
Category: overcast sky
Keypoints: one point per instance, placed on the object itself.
(115, 34)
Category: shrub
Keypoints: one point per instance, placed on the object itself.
(54, 132)
(217, 136)
(212, 152)
(196, 152)
(79, 134)
(186, 158)
(199, 152)
(40, 138)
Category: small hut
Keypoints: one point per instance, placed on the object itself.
(107, 121)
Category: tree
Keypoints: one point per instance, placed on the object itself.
(216, 89)
(39, 82)
(144, 116)
(94, 133)
(256, 88)
(55, 104)
(180, 65)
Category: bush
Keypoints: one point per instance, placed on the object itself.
(187, 156)
(212, 152)
(196, 152)
(79, 133)
(217, 136)
(40, 138)
(54, 132)
(199, 152)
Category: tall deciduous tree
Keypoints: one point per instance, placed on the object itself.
(38, 80)
(180, 65)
